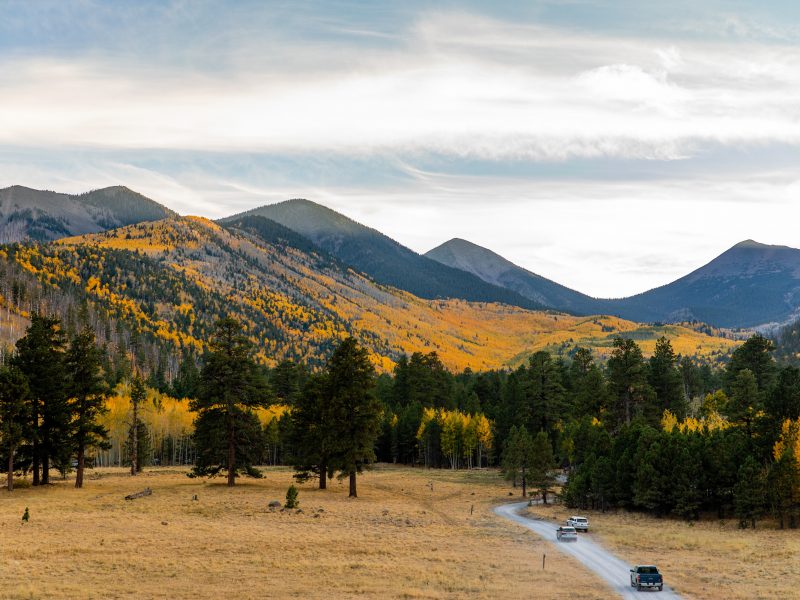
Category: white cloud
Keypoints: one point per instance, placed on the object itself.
(461, 85)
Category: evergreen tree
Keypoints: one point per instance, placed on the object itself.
(754, 355)
(287, 381)
(187, 380)
(542, 465)
(544, 392)
(749, 493)
(138, 396)
(231, 384)
(745, 402)
(13, 415)
(312, 435)
(40, 357)
(144, 447)
(687, 478)
(355, 412)
(87, 393)
(627, 379)
(666, 381)
(517, 457)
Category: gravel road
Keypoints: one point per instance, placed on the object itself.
(596, 558)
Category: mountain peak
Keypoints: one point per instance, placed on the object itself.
(750, 244)
(496, 270)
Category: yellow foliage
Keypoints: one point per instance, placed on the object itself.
(712, 421)
(275, 412)
(789, 439)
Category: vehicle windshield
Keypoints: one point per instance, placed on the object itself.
(648, 570)
(580, 519)
(568, 529)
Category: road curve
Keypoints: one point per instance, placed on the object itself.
(613, 570)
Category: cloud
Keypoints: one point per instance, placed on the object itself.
(461, 85)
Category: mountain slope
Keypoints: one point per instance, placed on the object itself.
(171, 280)
(749, 285)
(493, 268)
(382, 258)
(28, 214)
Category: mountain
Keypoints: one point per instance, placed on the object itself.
(383, 259)
(28, 214)
(168, 282)
(749, 285)
(493, 268)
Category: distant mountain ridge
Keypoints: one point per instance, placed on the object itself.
(749, 285)
(493, 268)
(40, 215)
(383, 259)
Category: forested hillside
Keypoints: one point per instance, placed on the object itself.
(383, 259)
(27, 214)
(169, 281)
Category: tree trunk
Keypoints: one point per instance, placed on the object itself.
(231, 454)
(79, 474)
(353, 493)
(135, 440)
(35, 463)
(45, 468)
(10, 482)
(524, 485)
(323, 476)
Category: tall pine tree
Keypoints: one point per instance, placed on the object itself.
(13, 415)
(228, 435)
(40, 357)
(87, 393)
(355, 411)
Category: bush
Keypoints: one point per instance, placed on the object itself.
(292, 497)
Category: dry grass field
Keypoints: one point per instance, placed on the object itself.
(399, 539)
(708, 559)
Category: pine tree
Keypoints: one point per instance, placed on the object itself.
(13, 415)
(544, 392)
(665, 379)
(746, 401)
(87, 392)
(355, 412)
(749, 493)
(138, 396)
(542, 464)
(292, 497)
(517, 456)
(40, 357)
(311, 433)
(231, 384)
(627, 379)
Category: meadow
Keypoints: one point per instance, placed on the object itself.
(412, 533)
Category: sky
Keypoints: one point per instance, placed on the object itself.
(612, 146)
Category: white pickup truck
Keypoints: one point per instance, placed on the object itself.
(579, 523)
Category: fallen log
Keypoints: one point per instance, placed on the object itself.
(142, 494)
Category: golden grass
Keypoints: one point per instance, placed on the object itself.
(708, 559)
(399, 539)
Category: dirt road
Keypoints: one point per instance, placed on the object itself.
(612, 569)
